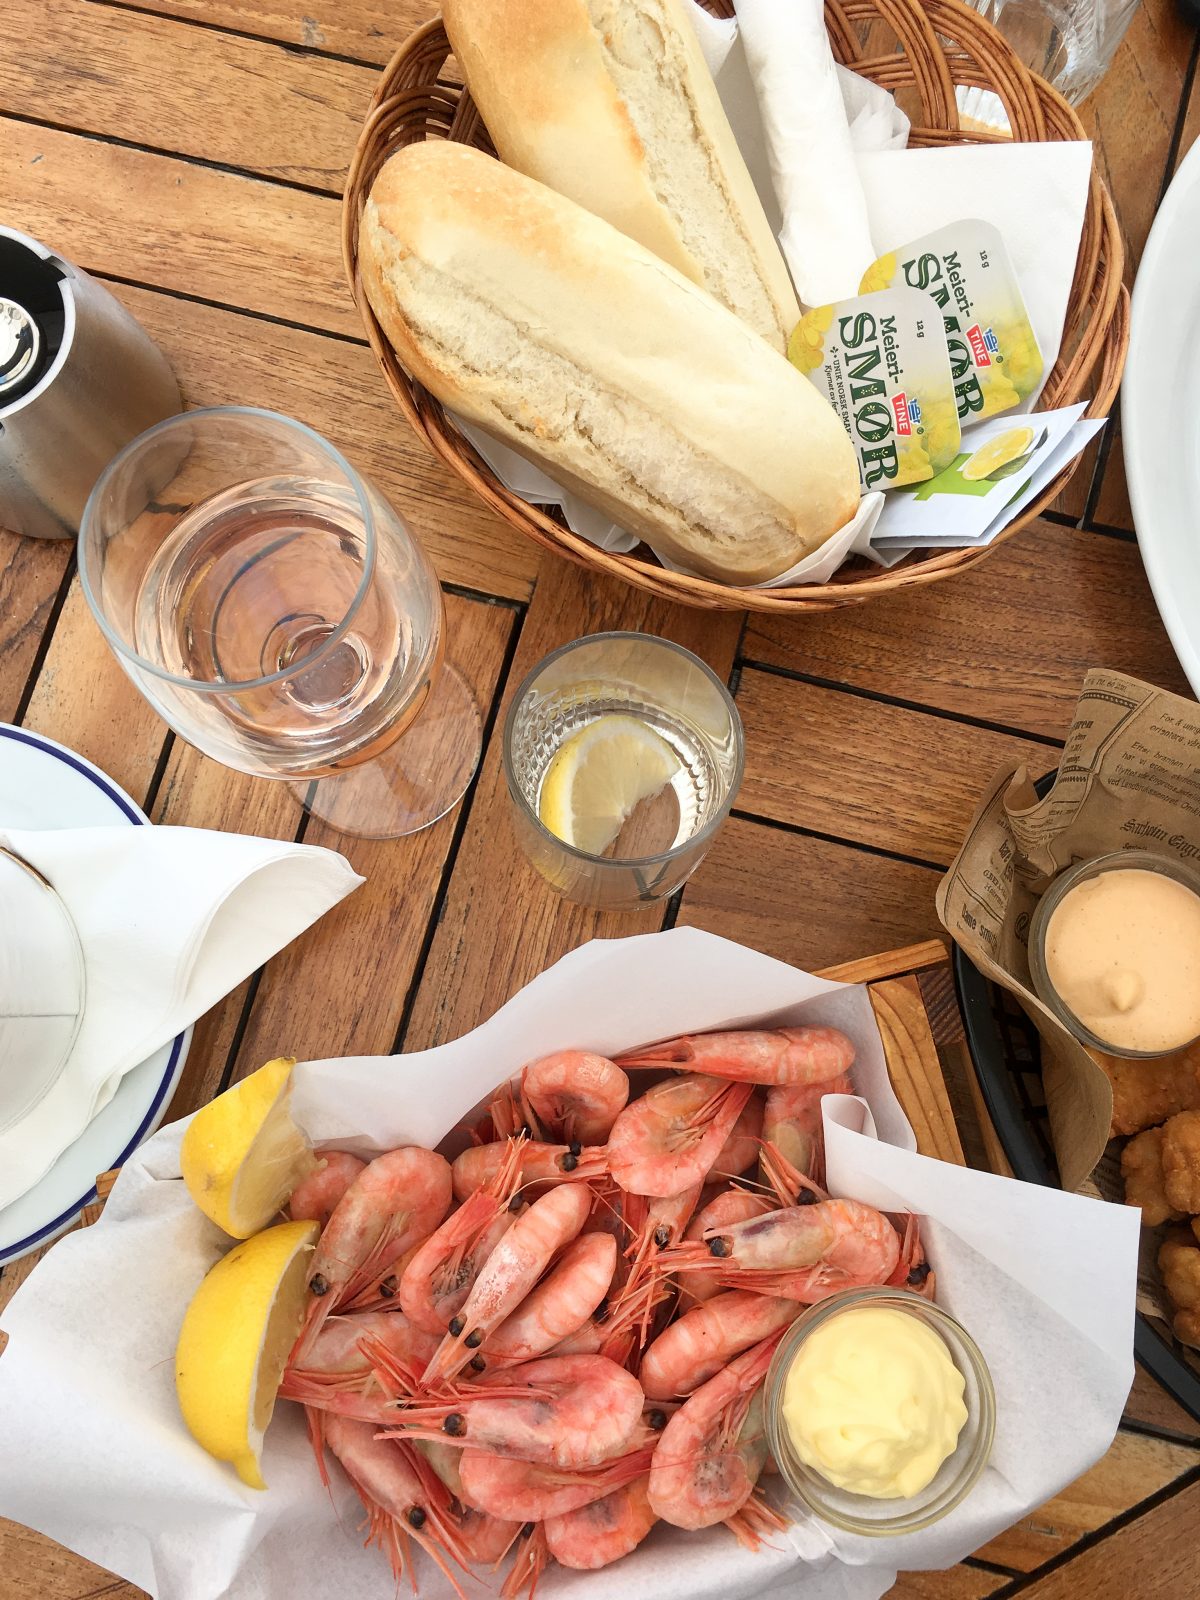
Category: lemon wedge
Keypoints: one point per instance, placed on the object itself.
(599, 775)
(997, 453)
(242, 1154)
(236, 1336)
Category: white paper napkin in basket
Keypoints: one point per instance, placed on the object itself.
(826, 151)
(92, 1451)
(169, 920)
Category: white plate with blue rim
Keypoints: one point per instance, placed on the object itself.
(45, 785)
(1160, 402)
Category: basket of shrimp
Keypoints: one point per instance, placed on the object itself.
(533, 1310)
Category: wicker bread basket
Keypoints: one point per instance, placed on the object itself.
(920, 50)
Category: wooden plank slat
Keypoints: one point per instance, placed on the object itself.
(807, 901)
(84, 699)
(1134, 1468)
(368, 30)
(166, 222)
(31, 572)
(35, 1568)
(1008, 641)
(864, 771)
(1153, 1557)
(339, 989)
(912, 1060)
(895, 963)
(355, 967)
(501, 923)
(155, 81)
(955, 1583)
(336, 387)
(1151, 1406)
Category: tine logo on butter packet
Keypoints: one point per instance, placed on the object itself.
(881, 362)
(994, 355)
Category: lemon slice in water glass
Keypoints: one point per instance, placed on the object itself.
(599, 776)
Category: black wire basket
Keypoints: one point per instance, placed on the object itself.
(1006, 1055)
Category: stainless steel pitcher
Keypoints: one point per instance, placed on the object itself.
(79, 378)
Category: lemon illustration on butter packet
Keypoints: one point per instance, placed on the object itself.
(994, 356)
(882, 363)
(1006, 450)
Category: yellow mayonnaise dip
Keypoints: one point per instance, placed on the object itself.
(874, 1402)
(1122, 951)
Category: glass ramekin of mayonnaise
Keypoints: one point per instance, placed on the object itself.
(1114, 952)
(880, 1411)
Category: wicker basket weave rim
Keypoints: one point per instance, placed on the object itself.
(944, 43)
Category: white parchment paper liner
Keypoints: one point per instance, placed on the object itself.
(95, 1455)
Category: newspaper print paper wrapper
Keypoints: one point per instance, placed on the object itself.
(1129, 776)
(96, 1455)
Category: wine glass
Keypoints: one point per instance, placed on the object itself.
(277, 612)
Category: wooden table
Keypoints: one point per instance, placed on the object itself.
(190, 153)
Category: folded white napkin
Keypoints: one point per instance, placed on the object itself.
(169, 920)
(825, 236)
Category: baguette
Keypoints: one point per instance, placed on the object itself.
(624, 380)
(611, 103)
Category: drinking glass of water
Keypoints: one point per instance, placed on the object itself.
(623, 754)
(1070, 43)
(276, 611)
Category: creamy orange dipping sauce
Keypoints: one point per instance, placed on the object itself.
(1123, 952)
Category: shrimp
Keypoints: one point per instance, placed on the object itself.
(705, 1339)
(560, 1304)
(561, 1411)
(381, 1293)
(395, 1201)
(483, 1539)
(800, 1252)
(595, 1535)
(336, 1360)
(522, 1491)
(575, 1094)
(731, 1205)
(667, 1140)
(793, 1124)
(913, 1270)
(314, 1198)
(754, 1517)
(774, 1055)
(540, 1164)
(656, 1223)
(705, 1468)
(442, 1270)
(510, 1272)
(741, 1148)
(401, 1499)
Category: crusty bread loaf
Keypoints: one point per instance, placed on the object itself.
(627, 382)
(611, 103)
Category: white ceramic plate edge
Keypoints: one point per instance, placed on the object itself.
(142, 1098)
(1160, 429)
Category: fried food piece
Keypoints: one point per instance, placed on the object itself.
(1180, 1267)
(1142, 1170)
(1146, 1093)
(1181, 1162)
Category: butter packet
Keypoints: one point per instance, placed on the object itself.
(994, 355)
(882, 363)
